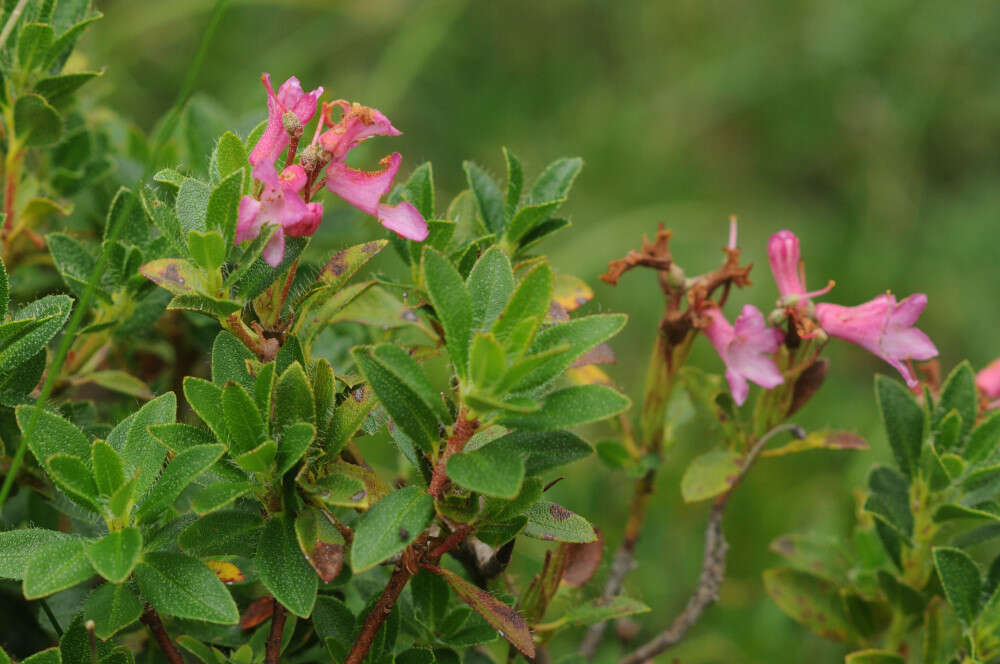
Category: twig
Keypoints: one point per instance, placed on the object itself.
(624, 559)
(460, 435)
(151, 619)
(273, 647)
(713, 566)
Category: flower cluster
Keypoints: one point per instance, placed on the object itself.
(284, 198)
(882, 326)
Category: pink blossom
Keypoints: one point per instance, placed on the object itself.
(280, 205)
(786, 266)
(883, 327)
(745, 348)
(289, 99)
(364, 189)
(988, 382)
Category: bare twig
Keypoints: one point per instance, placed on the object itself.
(713, 566)
(151, 619)
(274, 637)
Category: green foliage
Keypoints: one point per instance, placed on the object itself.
(390, 526)
(182, 586)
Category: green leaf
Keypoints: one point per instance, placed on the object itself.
(207, 249)
(165, 220)
(900, 595)
(515, 183)
(959, 393)
(118, 381)
(293, 445)
(600, 609)
(810, 600)
(569, 407)
(229, 361)
(177, 437)
(487, 361)
(452, 305)
(488, 197)
(50, 313)
(529, 217)
(182, 470)
(293, 399)
(961, 580)
(283, 569)
(259, 459)
(551, 521)
(873, 657)
(56, 89)
(74, 478)
(391, 525)
(191, 205)
(36, 122)
(205, 399)
(407, 409)
(230, 154)
(575, 338)
(489, 471)
(542, 451)
(204, 304)
(889, 500)
(555, 181)
(176, 275)
(121, 502)
(112, 607)
(419, 189)
(47, 656)
(502, 617)
(345, 263)
(223, 207)
(542, 231)
(17, 547)
(33, 44)
(218, 495)
(54, 566)
(904, 422)
(114, 555)
(490, 284)
(531, 300)
(184, 587)
(141, 451)
(984, 439)
(246, 428)
(4, 291)
(224, 533)
(348, 417)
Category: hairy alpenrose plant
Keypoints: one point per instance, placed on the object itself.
(193, 437)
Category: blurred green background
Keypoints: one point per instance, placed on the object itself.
(870, 129)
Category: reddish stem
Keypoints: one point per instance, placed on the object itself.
(273, 647)
(151, 619)
(460, 435)
(405, 568)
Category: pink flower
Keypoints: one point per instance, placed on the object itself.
(289, 99)
(786, 266)
(280, 205)
(883, 327)
(744, 348)
(364, 189)
(988, 382)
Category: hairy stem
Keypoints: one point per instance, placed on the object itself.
(151, 619)
(273, 647)
(460, 435)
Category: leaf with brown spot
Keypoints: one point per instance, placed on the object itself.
(820, 440)
(507, 621)
(345, 263)
(175, 275)
(710, 474)
(582, 560)
(552, 522)
(258, 611)
(321, 542)
(571, 292)
(810, 600)
(226, 571)
(816, 554)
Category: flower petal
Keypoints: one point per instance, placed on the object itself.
(404, 220)
(358, 124)
(362, 189)
(274, 250)
(738, 386)
(308, 223)
(247, 224)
